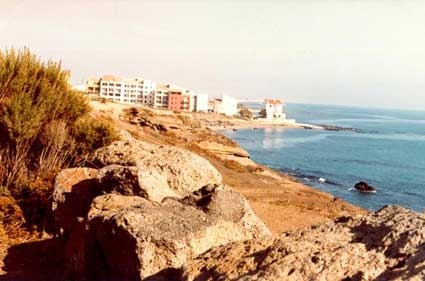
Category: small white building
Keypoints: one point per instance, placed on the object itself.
(201, 102)
(274, 109)
(229, 105)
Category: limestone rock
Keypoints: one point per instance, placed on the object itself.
(219, 148)
(73, 192)
(183, 171)
(123, 152)
(175, 171)
(386, 245)
(138, 238)
(130, 180)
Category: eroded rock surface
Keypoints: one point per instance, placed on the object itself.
(219, 148)
(138, 238)
(149, 209)
(386, 245)
(173, 170)
(73, 192)
(161, 213)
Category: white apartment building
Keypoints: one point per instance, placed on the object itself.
(200, 102)
(229, 105)
(135, 90)
(160, 96)
(140, 91)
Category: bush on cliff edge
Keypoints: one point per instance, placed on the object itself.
(39, 112)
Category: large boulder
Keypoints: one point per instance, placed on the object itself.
(129, 167)
(131, 180)
(123, 152)
(386, 245)
(161, 170)
(183, 171)
(138, 238)
(73, 192)
(148, 209)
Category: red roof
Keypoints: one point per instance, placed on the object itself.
(272, 101)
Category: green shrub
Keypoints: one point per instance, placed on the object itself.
(33, 94)
(20, 120)
(91, 134)
(43, 128)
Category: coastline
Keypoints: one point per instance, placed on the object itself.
(282, 202)
(236, 124)
(279, 201)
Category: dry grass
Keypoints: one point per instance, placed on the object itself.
(57, 149)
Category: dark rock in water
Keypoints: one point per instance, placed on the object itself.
(364, 187)
(347, 129)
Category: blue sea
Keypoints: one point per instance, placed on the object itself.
(388, 152)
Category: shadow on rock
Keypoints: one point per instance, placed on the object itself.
(36, 261)
(409, 267)
(371, 236)
(168, 274)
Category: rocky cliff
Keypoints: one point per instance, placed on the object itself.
(386, 245)
(147, 209)
(156, 212)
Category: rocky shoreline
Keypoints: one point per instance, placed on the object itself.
(174, 200)
(149, 217)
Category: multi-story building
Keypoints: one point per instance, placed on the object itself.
(140, 91)
(160, 96)
(201, 103)
(173, 98)
(229, 105)
(215, 106)
(117, 89)
(93, 86)
(175, 101)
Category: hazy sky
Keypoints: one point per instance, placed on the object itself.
(355, 52)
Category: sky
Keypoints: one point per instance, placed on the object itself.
(349, 52)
